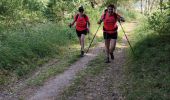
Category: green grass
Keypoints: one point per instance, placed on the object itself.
(148, 72)
(23, 50)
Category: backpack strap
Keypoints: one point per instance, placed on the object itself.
(105, 12)
(84, 15)
(114, 14)
(77, 17)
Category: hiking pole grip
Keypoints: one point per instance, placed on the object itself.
(127, 38)
(93, 39)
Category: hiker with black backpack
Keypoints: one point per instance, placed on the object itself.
(110, 18)
(82, 27)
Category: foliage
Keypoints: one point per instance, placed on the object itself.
(33, 5)
(148, 75)
(56, 10)
(160, 22)
(8, 8)
(148, 71)
(128, 14)
(119, 2)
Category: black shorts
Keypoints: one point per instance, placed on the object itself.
(81, 32)
(110, 36)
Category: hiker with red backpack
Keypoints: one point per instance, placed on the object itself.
(110, 18)
(82, 27)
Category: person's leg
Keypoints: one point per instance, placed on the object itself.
(79, 40)
(83, 34)
(113, 44)
(82, 42)
(79, 36)
(107, 46)
(112, 47)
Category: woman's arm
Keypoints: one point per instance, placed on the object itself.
(71, 24)
(101, 19)
(120, 18)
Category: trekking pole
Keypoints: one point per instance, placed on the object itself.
(69, 37)
(127, 38)
(89, 37)
(93, 39)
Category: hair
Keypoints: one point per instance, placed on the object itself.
(112, 6)
(81, 9)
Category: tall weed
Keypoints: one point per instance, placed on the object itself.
(24, 48)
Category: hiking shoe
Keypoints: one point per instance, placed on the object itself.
(111, 56)
(107, 60)
(82, 53)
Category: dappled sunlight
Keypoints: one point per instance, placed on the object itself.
(118, 45)
(90, 54)
(130, 26)
(100, 33)
(75, 46)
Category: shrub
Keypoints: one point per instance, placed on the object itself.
(160, 22)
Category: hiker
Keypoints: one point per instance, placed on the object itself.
(82, 27)
(110, 18)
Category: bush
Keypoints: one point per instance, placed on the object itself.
(128, 14)
(8, 7)
(33, 5)
(160, 22)
(148, 71)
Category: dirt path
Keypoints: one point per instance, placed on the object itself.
(106, 86)
(54, 86)
(98, 87)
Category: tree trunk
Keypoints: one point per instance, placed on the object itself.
(145, 10)
(152, 4)
(161, 1)
(141, 6)
(149, 3)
